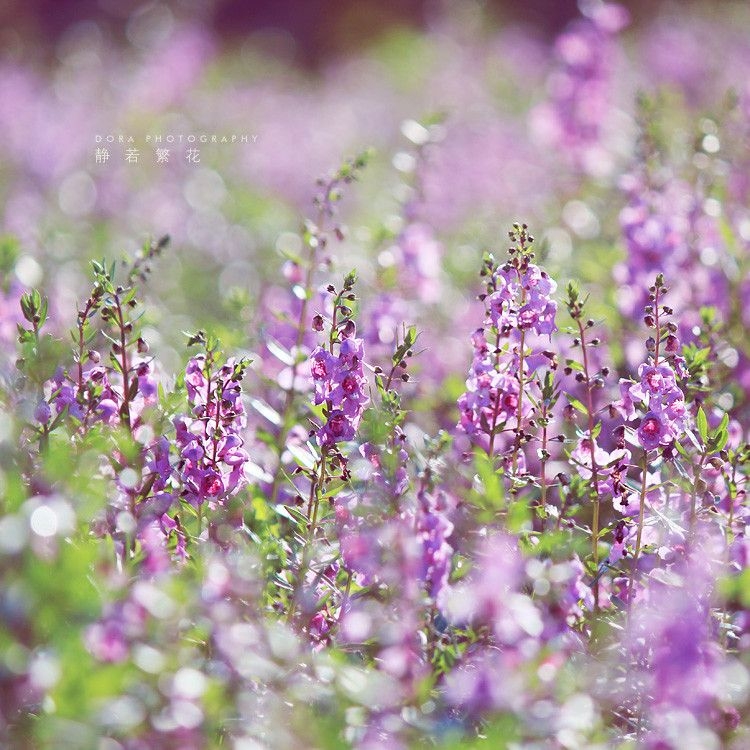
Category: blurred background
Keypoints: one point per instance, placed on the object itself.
(210, 122)
(311, 31)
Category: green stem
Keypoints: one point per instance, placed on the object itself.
(519, 413)
(594, 466)
(313, 505)
(694, 494)
(124, 364)
(641, 514)
(496, 410)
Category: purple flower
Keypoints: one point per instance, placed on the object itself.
(340, 383)
(656, 380)
(195, 379)
(625, 405)
(653, 432)
(107, 410)
(434, 529)
(322, 367)
(212, 458)
(337, 429)
(42, 413)
(611, 468)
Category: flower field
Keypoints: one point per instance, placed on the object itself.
(401, 401)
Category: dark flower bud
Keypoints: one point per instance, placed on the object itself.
(317, 323)
(668, 452)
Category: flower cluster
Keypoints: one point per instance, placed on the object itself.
(340, 383)
(209, 440)
(519, 305)
(492, 395)
(530, 287)
(657, 391)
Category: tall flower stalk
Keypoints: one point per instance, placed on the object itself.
(317, 236)
(496, 405)
(340, 393)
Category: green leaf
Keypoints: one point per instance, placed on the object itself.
(719, 440)
(519, 516)
(702, 424)
(576, 404)
(492, 494)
